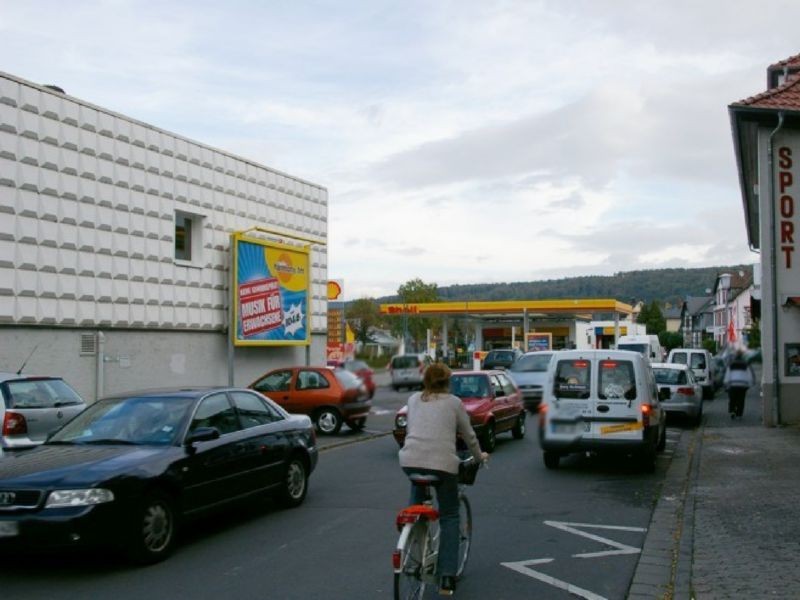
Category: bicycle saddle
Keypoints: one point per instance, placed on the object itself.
(421, 479)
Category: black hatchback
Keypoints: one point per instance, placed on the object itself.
(128, 469)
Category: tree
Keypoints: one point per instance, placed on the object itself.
(413, 292)
(670, 340)
(362, 315)
(652, 318)
(754, 335)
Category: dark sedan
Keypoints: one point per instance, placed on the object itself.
(127, 470)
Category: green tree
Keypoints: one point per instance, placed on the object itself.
(754, 335)
(652, 318)
(413, 292)
(670, 340)
(362, 315)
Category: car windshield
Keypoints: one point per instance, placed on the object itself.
(617, 380)
(532, 362)
(698, 360)
(40, 393)
(147, 420)
(347, 379)
(356, 365)
(469, 386)
(679, 357)
(405, 362)
(640, 348)
(573, 379)
(670, 376)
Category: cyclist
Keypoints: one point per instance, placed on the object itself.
(434, 419)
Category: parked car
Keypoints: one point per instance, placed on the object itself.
(492, 400)
(129, 469)
(407, 370)
(699, 361)
(529, 372)
(501, 358)
(601, 401)
(329, 396)
(33, 407)
(358, 368)
(679, 391)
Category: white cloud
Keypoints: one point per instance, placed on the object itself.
(460, 141)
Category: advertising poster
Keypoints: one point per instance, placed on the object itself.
(271, 293)
(536, 342)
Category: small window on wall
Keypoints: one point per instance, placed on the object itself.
(188, 237)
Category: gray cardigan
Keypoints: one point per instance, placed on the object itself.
(431, 433)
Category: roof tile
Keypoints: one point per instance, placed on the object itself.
(786, 96)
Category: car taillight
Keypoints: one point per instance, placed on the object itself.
(14, 424)
(396, 559)
(646, 410)
(686, 391)
(542, 410)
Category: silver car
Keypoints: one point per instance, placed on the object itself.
(529, 372)
(679, 391)
(407, 370)
(31, 408)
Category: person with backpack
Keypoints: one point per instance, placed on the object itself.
(738, 379)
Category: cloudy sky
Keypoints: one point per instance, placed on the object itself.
(460, 141)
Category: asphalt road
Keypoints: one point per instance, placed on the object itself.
(338, 544)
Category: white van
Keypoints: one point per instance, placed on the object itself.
(601, 400)
(699, 361)
(646, 345)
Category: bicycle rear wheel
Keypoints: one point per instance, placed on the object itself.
(464, 533)
(408, 583)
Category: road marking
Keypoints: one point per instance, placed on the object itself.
(524, 568)
(620, 547)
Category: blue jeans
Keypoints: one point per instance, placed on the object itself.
(447, 503)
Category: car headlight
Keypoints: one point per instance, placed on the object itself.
(66, 498)
(401, 420)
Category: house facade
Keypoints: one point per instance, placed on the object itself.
(115, 248)
(733, 315)
(697, 320)
(766, 137)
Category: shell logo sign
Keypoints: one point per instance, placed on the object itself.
(334, 289)
(271, 293)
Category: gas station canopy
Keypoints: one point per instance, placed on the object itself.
(584, 308)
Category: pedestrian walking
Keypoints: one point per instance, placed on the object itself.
(739, 377)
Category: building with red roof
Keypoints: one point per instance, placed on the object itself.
(766, 138)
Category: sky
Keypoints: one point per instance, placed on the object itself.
(460, 141)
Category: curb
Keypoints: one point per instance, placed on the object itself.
(665, 563)
(362, 438)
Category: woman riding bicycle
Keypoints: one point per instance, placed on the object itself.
(434, 419)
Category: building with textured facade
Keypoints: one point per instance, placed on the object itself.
(115, 247)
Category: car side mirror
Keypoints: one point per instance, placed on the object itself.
(202, 434)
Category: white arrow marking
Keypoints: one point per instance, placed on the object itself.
(621, 548)
(524, 568)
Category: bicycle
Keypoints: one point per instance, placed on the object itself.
(414, 559)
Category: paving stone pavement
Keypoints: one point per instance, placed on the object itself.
(727, 524)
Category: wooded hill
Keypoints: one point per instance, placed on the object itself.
(661, 285)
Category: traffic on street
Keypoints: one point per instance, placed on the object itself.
(574, 531)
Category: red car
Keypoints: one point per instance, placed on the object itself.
(493, 402)
(358, 368)
(329, 396)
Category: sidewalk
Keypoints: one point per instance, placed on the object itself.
(727, 524)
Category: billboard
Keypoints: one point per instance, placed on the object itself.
(270, 293)
(536, 342)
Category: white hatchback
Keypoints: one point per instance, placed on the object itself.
(601, 401)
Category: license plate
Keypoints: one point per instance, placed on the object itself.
(570, 427)
(9, 528)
